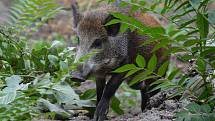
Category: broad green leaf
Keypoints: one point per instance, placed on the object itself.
(57, 44)
(175, 49)
(120, 16)
(115, 105)
(140, 61)
(115, 21)
(152, 64)
(178, 93)
(89, 94)
(9, 92)
(162, 44)
(185, 24)
(53, 59)
(173, 74)
(64, 93)
(8, 97)
(153, 77)
(13, 81)
(208, 52)
(124, 28)
(158, 82)
(205, 108)
(139, 77)
(54, 108)
(193, 107)
(64, 66)
(182, 5)
(164, 86)
(125, 68)
(201, 65)
(182, 81)
(203, 25)
(131, 72)
(123, 4)
(162, 70)
(189, 43)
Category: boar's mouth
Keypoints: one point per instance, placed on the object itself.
(77, 77)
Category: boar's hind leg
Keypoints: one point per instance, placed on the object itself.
(109, 91)
(146, 94)
(144, 98)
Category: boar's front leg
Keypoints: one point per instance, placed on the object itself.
(100, 85)
(109, 91)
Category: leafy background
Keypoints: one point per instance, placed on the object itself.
(35, 77)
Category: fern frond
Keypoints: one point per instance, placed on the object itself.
(29, 15)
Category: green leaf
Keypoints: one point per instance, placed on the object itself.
(185, 24)
(162, 70)
(193, 107)
(13, 81)
(115, 105)
(158, 82)
(173, 74)
(205, 108)
(152, 64)
(182, 5)
(53, 59)
(54, 108)
(208, 52)
(8, 97)
(64, 93)
(162, 44)
(164, 86)
(195, 112)
(201, 65)
(178, 93)
(131, 72)
(139, 77)
(189, 43)
(9, 92)
(140, 61)
(203, 25)
(89, 94)
(64, 66)
(56, 44)
(115, 21)
(125, 68)
(124, 27)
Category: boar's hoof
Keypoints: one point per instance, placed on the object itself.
(77, 77)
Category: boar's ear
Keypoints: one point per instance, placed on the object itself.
(76, 16)
(112, 30)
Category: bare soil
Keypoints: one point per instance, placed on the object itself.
(159, 109)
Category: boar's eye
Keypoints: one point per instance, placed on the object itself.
(97, 44)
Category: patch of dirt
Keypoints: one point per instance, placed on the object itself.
(159, 110)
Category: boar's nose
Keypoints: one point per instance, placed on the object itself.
(77, 77)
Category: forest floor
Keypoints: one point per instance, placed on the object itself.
(160, 110)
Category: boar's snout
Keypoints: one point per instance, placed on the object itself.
(82, 73)
(77, 77)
